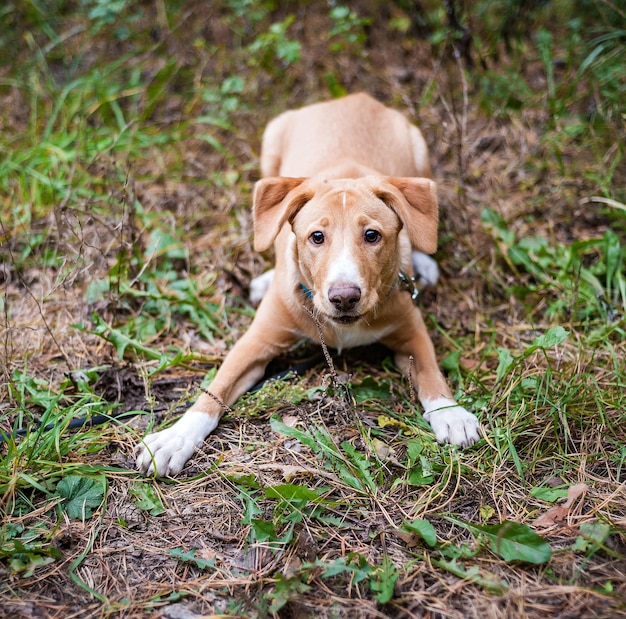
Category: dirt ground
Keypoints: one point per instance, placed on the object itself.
(194, 556)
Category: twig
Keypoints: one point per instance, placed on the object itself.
(39, 309)
(410, 377)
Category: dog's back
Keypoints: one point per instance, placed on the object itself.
(348, 137)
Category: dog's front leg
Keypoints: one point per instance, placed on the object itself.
(165, 453)
(450, 422)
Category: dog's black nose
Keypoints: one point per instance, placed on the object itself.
(344, 298)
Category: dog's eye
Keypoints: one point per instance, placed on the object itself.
(372, 236)
(317, 238)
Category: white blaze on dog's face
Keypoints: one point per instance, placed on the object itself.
(352, 236)
(347, 249)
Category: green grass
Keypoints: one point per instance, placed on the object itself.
(129, 138)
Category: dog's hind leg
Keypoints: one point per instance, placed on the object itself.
(425, 268)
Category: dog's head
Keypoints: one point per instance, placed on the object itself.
(351, 235)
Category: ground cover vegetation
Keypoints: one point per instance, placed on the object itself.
(129, 139)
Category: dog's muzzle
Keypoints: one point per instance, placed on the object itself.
(345, 299)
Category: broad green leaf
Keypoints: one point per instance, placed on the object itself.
(513, 541)
(281, 428)
(164, 244)
(81, 495)
(246, 481)
(488, 581)
(291, 492)
(284, 590)
(592, 536)
(552, 337)
(147, 498)
(383, 580)
(371, 389)
(334, 568)
(424, 529)
(264, 530)
(550, 495)
(28, 563)
(362, 465)
(27, 557)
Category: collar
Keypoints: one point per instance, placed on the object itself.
(406, 282)
(306, 291)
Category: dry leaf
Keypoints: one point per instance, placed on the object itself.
(559, 513)
(289, 471)
(290, 420)
(469, 364)
(383, 451)
(410, 539)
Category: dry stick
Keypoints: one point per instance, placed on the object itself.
(459, 122)
(410, 376)
(39, 308)
(424, 507)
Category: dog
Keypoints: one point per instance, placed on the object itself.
(346, 199)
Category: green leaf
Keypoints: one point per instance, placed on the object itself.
(488, 581)
(291, 492)
(550, 495)
(264, 530)
(246, 481)
(551, 337)
(147, 498)
(424, 529)
(190, 557)
(362, 465)
(512, 541)
(383, 581)
(81, 495)
(27, 557)
(595, 532)
(281, 428)
(284, 590)
(505, 361)
(371, 389)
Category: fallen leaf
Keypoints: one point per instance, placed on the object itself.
(289, 471)
(290, 420)
(559, 513)
(383, 451)
(291, 567)
(385, 421)
(410, 539)
(469, 364)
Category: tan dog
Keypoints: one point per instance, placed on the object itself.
(345, 198)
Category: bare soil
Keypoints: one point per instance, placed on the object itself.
(124, 553)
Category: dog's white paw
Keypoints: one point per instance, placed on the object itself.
(426, 268)
(260, 285)
(166, 452)
(451, 423)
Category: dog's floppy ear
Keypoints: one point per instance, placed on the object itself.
(415, 202)
(276, 199)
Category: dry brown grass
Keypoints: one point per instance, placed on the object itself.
(568, 430)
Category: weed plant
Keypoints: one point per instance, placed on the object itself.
(129, 135)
